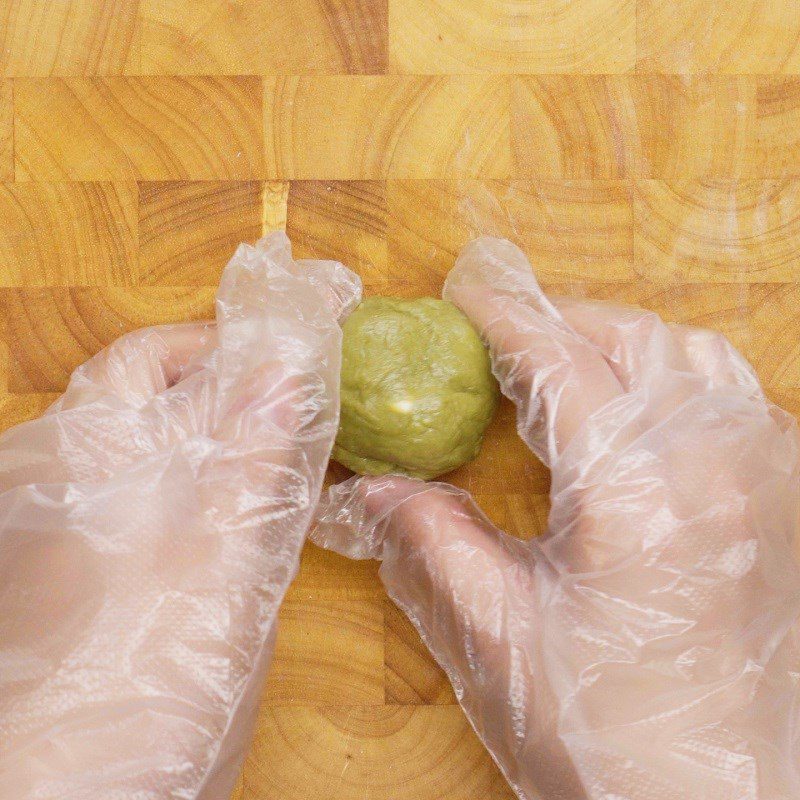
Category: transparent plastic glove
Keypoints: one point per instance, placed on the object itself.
(150, 523)
(647, 647)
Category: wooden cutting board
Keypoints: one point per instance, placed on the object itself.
(141, 140)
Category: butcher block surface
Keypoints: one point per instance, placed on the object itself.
(639, 151)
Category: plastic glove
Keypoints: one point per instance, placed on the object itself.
(647, 647)
(150, 523)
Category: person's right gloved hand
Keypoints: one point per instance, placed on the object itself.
(647, 647)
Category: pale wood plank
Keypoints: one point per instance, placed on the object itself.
(412, 675)
(6, 130)
(324, 575)
(504, 464)
(18, 408)
(262, 37)
(188, 231)
(451, 36)
(777, 127)
(68, 37)
(328, 652)
(274, 201)
(387, 126)
(787, 399)
(575, 229)
(344, 221)
(384, 753)
(522, 514)
(68, 234)
(51, 331)
(138, 129)
(762, 320)
(692, 36)
(652, 126)
(696, 231)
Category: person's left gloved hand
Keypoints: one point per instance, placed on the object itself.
(150, 524)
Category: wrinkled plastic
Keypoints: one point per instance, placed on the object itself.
(150, 524)
(647, 647)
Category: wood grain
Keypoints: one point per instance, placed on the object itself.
(504, 464)
(69, 37)
(695, 126)
(138, 128)
(567, 228)
(261, 37)
(567, 126)
(412, 675)
(512, 37)
(68, 234)
(324, 575)
(51, 331)
(386, 126)
(343, 221)
(749, 36)
(18, 408)
(638, 151)
(697, 231)
(522, 514)
(762, 320)
(352, 752)
(189, 230)
(6, 131)
(777, 127)
(330, 652)
(428, 223)
(652, 126)
(789, 400)
(327, 576)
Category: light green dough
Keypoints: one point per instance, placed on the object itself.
(417, 388)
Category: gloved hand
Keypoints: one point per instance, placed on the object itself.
(150, 524)
(647, 647)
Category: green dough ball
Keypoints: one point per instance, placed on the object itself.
(417, 388)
